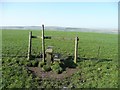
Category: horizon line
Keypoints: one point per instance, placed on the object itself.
(55, 26)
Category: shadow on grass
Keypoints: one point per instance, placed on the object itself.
(93, 59)
(33, 57)
(68, 62)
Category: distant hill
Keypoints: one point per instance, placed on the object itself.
(61, 29)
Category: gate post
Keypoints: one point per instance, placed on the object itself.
(76, 49)
(29, 45)
(43, 44)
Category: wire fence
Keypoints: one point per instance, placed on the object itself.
(63, 44)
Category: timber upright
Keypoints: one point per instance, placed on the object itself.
(29, 45)
(76, 49)
(43, 44)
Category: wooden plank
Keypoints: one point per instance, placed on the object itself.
(76, 49)
(35, 37)
(29, 45)
(43, 44)
(47, 37)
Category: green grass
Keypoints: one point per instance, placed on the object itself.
(95, 71)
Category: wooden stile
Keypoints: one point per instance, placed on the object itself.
(43, 45)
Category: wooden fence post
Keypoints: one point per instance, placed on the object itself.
(43, 44)
(29, 45)
(76, 49)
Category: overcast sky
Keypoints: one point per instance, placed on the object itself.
(69, 14)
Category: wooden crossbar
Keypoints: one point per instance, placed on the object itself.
(45, 37)
(35, 37)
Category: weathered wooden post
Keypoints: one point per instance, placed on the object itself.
(43, 44)
(29, 45)
(76, 49)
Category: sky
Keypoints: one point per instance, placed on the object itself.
(66, 14)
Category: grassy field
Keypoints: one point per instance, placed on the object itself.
(97, 68)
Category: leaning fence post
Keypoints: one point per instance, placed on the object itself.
(29, 45)
(76, 49)
(43, 44)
